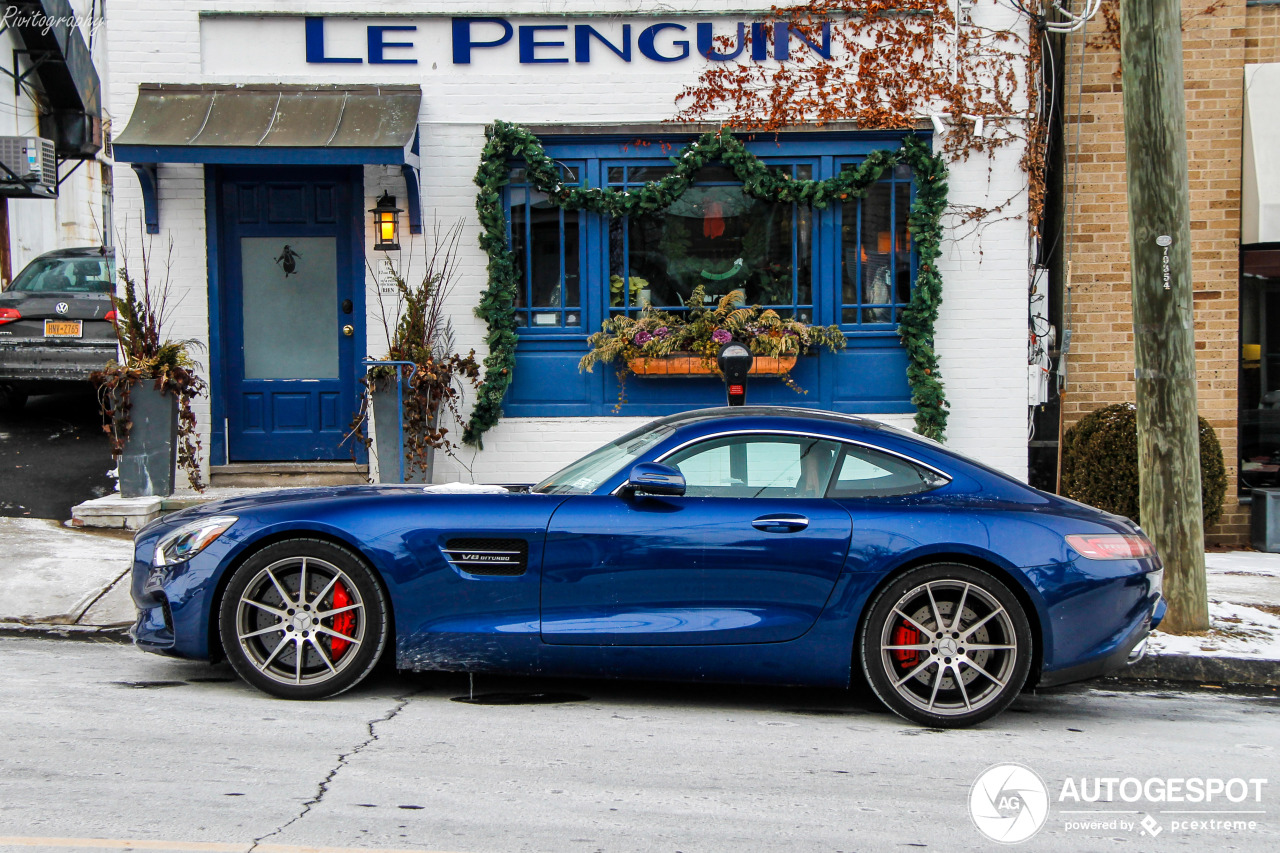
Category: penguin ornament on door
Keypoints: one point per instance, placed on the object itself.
(288, 260)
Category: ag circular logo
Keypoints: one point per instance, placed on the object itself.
(1009, 803)
(62, 308)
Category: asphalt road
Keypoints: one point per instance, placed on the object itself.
(53, 455)
(105, 747)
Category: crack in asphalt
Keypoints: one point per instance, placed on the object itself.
(343, 759)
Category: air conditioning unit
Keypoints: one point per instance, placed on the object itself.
(29, 167)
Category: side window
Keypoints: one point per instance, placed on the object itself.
(756, 466)
(867, 473)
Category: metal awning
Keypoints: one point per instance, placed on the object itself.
(58, 57)
(333, 125)
(271, 125)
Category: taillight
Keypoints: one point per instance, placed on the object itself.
(111, 316)
(8, 315)
(1112, 546)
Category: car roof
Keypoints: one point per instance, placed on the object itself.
(79, 252)
(686, 418)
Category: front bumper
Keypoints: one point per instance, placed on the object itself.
(40, 362)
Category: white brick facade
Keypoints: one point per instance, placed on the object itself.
(982, 331)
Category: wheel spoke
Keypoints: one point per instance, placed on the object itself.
(982, 672)
(984, 647)
(964, 594)
(302, 583)
(323, 656)
(937, 614)
(258, 604)
(918, 648)
(321, 629)
(913, 673)
(280, 589)
(278, 629)
(332, 581)
(933, 695)
(266, 663)
(297, 662)
(912, 621)
(984, 620)
(964, 694)
(325, 614)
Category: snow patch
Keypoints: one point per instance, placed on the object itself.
(465, 489)
(1235, 631)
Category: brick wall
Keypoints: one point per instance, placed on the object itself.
(1096, 239)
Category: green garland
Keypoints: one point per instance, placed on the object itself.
(507, 142)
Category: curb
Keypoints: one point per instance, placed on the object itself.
(83, 633)
(1229, 670)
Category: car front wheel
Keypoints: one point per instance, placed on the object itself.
(304, 619)
(946, 645)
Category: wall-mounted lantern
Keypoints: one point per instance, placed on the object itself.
(386, 224)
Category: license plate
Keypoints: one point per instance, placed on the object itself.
(63, 328)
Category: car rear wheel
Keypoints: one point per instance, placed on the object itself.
(946, 645)
(304, 619)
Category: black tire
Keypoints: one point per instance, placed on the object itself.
(954, 674)
(284, 644)
(12, 400)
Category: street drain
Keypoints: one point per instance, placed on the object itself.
(520, 698)
(143, 685)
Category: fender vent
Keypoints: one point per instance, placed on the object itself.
(488, 556)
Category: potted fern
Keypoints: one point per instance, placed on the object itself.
(146, 395)
(407, 398)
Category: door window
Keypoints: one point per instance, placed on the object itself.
(290, 307)
(756, 466)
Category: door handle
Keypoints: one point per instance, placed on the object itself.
(780, 523)
(348, 330)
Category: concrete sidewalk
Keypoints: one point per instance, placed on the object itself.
(59, 580)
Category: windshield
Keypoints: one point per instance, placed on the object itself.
(67, 275)
(585, 476)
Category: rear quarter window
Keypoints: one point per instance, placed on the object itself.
(866, 473)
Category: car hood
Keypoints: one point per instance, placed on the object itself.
(242, 504)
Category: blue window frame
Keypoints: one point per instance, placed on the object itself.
(851, 264)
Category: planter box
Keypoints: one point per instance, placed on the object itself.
(686, 364)
(387, 418)
(151, 451)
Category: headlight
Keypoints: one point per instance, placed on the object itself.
(190, 539)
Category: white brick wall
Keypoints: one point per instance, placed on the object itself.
(981, 336)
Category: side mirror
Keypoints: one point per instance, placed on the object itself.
(650, 478)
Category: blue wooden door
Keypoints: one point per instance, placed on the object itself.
(292, 327)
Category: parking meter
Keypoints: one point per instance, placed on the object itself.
(735, 361)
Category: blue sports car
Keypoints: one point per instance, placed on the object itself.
(751, 544)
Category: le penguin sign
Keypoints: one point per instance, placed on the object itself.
(541, 42)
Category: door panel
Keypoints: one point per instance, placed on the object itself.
(293, 321)
(689, 571)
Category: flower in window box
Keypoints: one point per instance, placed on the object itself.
(655, 342)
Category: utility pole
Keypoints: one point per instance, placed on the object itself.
(1155, 133)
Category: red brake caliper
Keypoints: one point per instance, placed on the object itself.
(343, 623)
(906, 635)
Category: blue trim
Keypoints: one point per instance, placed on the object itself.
(414, 198)
(261, 155)
(218, 438)
(148, 180)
